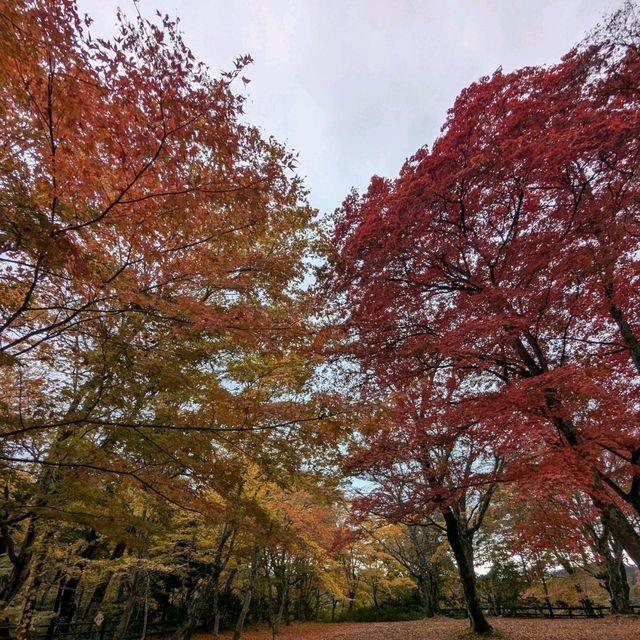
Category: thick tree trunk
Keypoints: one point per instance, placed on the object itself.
(618, 587)
(614, 575)
(374, 595)
(316, 605)
(620, 528)
(463, 553)
(207, 592)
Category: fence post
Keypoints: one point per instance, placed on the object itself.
(51, 631)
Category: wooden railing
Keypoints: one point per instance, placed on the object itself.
(89, 631)
(540, 611)
(138, 631)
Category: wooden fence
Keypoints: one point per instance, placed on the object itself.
(137, 631)
(540, 611)
(90, 631)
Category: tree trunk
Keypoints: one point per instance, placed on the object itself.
(352, 599)
(134, 591)
(281, 574)
(21, 565)
(146, 611)
(616, 522)
(619, 589)
(216, 605)
(626, 332)
(67, 598)
(198, 598)
(209, 589)
(100, 591)
(615, 574)
(253, 572)
(215, 609)
(545, 587)
(67, 602)
(463, 553)
(26, 615)
(281, 607)
(428, 591)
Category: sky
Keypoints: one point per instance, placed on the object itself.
(357, 86)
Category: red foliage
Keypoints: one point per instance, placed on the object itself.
(504, 264)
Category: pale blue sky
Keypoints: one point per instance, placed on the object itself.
(357, 86)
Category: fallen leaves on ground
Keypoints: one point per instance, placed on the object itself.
(613, 628)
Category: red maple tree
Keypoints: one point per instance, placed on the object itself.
(506, 260)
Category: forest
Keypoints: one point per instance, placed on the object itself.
(223, 410)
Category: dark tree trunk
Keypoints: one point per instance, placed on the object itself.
(618, 587)
(215, 609)
(614, 574)
(21, 565)
(613, 517)
(428, 591)
(427, 605)
(132, 601)
(630, 341)
(547, 601)
(100, 591)
(201, 594)
(67, 603)
(67, 599)
(352, 599)
(463, 553)
(617, 523)
(216, 605)
(282, 591)
(374, 594)
(253, 572)
(209, 590)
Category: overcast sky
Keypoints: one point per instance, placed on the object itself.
(356, 86)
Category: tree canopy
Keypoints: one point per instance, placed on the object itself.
(182, 412)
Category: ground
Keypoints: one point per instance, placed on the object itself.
(612, 628)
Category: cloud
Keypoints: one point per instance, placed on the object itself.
(357, 86)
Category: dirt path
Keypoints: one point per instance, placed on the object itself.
(614, 628)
